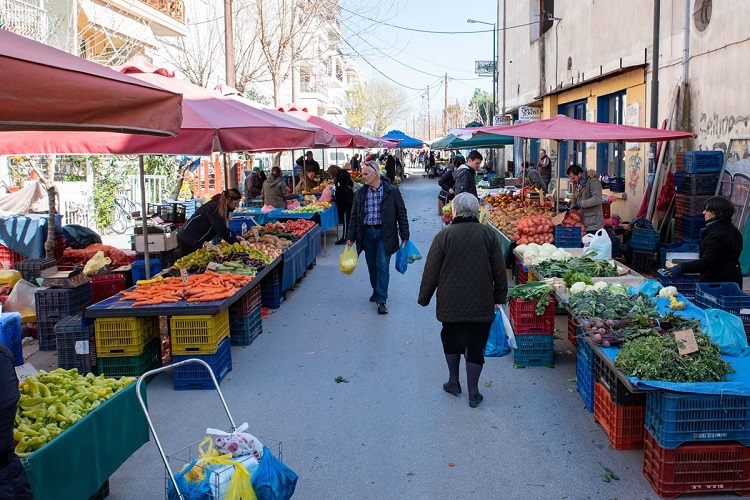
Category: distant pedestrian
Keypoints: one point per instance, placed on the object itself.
(253, 185)
(355, 163)
(544, 167)
(464, 175)
(343, 186)
(390, 168)
(465, 266)
(378, 219)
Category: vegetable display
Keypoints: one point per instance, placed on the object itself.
(52, 402)
(657, 358)
(535, 290)
(534, 229)
(534, 253)
(205, 287)
(585, 265)
(572, 277)
(610, 303)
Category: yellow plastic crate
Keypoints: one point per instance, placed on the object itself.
(117, 337)
(200, 334)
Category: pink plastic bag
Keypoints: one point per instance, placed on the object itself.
(292, 204)
(326, 196)
(267, 208)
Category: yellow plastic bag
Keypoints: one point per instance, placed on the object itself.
(240, 487)
(348, 260)
(95, 263)
(9, 277)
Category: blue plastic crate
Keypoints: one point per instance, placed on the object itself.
(10, 335)
(702, 162)
(53, 304)
(617, 184)
(138, 268)
(568, 237)
(534, 350)
(676, 418)
(695, 183)
(643, 260)
(725, 296)
(684, 283)
(194, 376)
(689, 227)
(235, 224)
(270, 289)
(244, 329)
(585, 376)
(644, 239)
(681, 246)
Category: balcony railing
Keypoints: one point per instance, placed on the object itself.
(26, 18)
(173, 8)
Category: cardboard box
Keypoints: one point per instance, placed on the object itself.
(157, 242)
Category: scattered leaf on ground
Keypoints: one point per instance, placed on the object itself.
(488, 383)
(340, 379)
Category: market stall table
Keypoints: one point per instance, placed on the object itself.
(506, 245)
(113, 307)
(327, 219)
(77, 463)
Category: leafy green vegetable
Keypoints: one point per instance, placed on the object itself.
(534, 290)
(572, 276)
(609, 304)
(584, 265)
(657, 358)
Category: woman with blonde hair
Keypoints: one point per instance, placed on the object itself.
(210, 220)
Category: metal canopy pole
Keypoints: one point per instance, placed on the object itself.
(144, 205)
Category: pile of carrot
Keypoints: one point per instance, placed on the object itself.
(205, 287)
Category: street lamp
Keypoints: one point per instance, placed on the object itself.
(494, 72)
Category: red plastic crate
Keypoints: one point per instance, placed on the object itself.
(8, 255)
(696, 468)
(246, 304)
(107, 285)
(522, 274)
(526, 322)
(572, 331)
(624, 425)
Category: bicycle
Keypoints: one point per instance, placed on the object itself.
(125, 210)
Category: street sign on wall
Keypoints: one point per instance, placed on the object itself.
(527, 113)
(483, 67)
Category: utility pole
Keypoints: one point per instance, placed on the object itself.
(429, 125)
(445, 108)
(229, 44)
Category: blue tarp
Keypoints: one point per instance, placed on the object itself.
(405, 140)
(26, 234)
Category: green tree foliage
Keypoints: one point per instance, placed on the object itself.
(109, 179)
(374, 105)
(481, 105)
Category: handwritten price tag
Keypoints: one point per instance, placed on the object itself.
(213, 266)
(687, 343)
(184, 276)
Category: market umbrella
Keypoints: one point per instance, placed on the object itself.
(346, 137)
(404, 141)
(451, 141)
(47, 89)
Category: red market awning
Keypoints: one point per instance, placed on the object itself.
(347, 138)
(44, 89)
(210, 123)
(562, 128)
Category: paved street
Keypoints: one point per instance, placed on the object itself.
(391, 432)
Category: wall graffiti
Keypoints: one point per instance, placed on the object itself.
(634, 166)
(715, 129)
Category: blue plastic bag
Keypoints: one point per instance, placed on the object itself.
(648, 288)
(407, 254)
(497, 343)
(272, 479)
(727, 331)
(189, 490)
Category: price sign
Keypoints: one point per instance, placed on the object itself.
(687, 343)
(213, 247)
(26, 370)
(82, 347)
(184, 276)
(213, 266)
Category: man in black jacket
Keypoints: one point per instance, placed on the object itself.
(464, 175)
(13, 482)
(378, 218)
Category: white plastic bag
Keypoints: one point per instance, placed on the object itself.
(21, 299)
(597, 245)
(508, 328)
(238, 443)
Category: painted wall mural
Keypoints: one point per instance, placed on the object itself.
(634, 167)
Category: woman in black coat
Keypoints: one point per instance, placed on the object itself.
(720, 247)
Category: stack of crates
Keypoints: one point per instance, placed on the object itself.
(534, 334)
(574, 331)
(107, 285)
(522, 272)
(727, 297)
(271, 294)
(54, 304)
(696, 179)
(31, 269)
(585, 373)
(620, 412)
(9, 256)
(205, 337)
(568, 237)
(644, 243)
(127, 347)
(76, 345)
(245, 320)
(10, 335)
(697, 443)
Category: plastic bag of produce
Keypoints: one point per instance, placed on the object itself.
(497, 343)
(190, 490)
(21, 299)
(401, 260)
(727, 331)
(348, 260)
(273, 480)
(327, 194)
(238, 443)
(597, 245)
(412, 254)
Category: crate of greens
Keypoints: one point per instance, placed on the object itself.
(532, 308)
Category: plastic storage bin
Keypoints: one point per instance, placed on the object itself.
(585, 374)
(167, 258)
(195, 376)
(696, 468)
(9, 256)
(689, 227)
(117, 337)
(725, 296)
(695, 183)
(688, 205)
(644, 239)
(676, 418)
(244, 329)
(622, 424)
(70, 331)
(616, 390)
(138, 268)
(617, 184)
(31, 269)
(702, 162)
(53, 304)
(10, 335)
(105, 286)
(534, 350)
(132, 366)
(525, 320)
(198, 334)
(574, 331)
(644, 260)
(568, 237)
(246, 304)
(271, 294)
